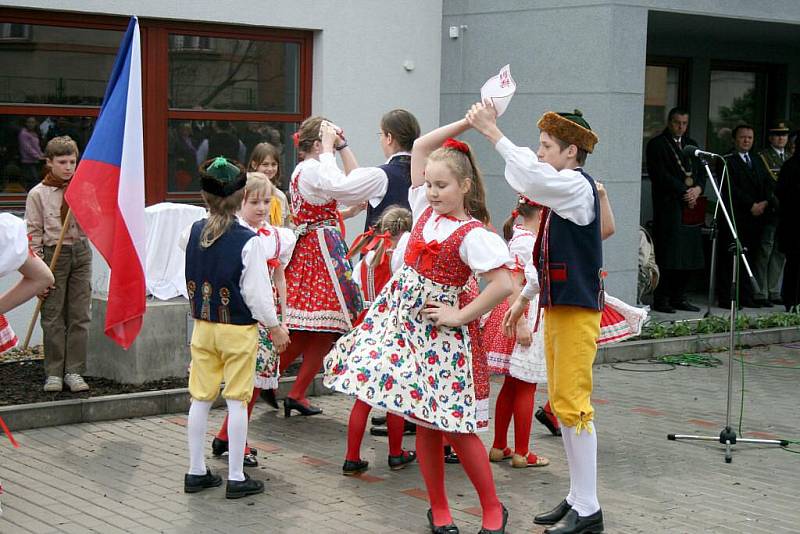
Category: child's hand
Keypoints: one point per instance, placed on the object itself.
(524, 336)
(513, 315)
(442, 314)
(601, 189)
(280, 337)
(482, 117)
(44, 294)
(328, 136)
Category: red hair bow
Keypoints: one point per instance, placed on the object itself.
(423, 254)
(525, 200)
(455, 144)
(296, 139)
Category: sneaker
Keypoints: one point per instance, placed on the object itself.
(53, 383)
(75, 382)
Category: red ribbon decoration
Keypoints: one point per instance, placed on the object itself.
(296, 139)
(525, 200)
(264, 231)
(455, 144)
(359, 243)
(386, 237)
(273, 263)
(441, 216)
(423, 253)
(515, 213)
(8, 433)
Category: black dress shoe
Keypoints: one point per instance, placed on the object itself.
(553, 516)
(542, 417)
(219, 447)
(378, 420)
(290, 404)
(237, 489)
(396, 463)
(684, 305)
(195, 483)
(451, 457)
(268, 396)
(250, 460)
(572, 523)
(663, 307)
(500, 530)
(352, 468)
(409, 429)
(444, 529)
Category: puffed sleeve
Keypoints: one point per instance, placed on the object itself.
(483, 251)
(398, 256)
(288, 241)
(521, 249)
(13, 243)
(418, 201)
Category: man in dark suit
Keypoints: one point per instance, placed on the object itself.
(788, 237)
(753, 206)
(677, 188)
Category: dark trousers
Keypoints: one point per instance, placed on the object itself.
(790, 292)
(671, 286)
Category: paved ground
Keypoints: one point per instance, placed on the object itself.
(126, 476)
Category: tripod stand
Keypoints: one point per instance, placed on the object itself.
(728, 436)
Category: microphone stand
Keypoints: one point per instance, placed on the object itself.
(728, 436)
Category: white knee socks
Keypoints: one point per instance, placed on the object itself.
(582, 457)
(237, 436)
(196, 431)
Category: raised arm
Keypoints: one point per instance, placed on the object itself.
(429, 142)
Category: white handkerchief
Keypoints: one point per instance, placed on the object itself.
(499, 89)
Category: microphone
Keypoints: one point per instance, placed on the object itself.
(694, 152)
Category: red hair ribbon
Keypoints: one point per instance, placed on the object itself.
(515, 213)
(296, 139)
(360, 242)
(423, 254)
(525, 200)
(455, 144)
(385, 237)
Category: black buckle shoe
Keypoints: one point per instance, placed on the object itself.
(250, 460)
(290, 404)
(542, 417)
(409, 429)
(219, 447)
(195, 483)
(501, 530)
(396, 463)
(450, 456)
(378, 420)
(268, 396)
(553, 516)
(572, 523)
(444, 529)
(351, 468)
(684, 305)
(237, 489)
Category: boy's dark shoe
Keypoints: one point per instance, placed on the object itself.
(379, 420)
(572, 523)
(195, 483)
(237, 489)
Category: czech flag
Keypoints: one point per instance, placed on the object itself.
(106, 194)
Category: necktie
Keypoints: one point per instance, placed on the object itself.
(747, 160)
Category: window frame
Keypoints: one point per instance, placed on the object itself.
(155, 86)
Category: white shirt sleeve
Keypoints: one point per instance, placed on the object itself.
(13, 243)
(398, 256)
(255, 285)
(483, 251)
(288, 241)
(521, 249)
(418, 201)
(566, 192)
(531, 288)
(360, 185)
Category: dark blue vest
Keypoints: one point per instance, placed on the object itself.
(213, 274)
(398, 170)
(575, 271)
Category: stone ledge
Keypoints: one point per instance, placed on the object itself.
(128, 405)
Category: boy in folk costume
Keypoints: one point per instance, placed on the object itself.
(569, 257)
(228, 299)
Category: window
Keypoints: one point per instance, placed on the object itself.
(735, 97)
(665, 87)
(203, 84)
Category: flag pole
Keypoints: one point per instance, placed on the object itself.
(53, 262)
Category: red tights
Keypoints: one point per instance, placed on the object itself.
(358, 424)
(475, 462)
(515, 399)
(313, 346)
(223, 431)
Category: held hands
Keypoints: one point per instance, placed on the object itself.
(352, 211)
(512, 317)
(329, 135)
(442, 314)
(280, 337)
(483, 117)
(46, 293)
(691, 195)
(757, 209)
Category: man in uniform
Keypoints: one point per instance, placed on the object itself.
(677, 190)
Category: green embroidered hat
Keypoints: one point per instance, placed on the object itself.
(221, 177)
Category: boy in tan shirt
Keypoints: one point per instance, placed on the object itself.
(65, 307)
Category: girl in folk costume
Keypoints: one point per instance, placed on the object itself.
(278, 243)
(520, 358)
(266, 159)
(323, 301)
(372, 272)
(413, 353)
(228, 298)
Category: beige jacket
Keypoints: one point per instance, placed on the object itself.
(43, 217)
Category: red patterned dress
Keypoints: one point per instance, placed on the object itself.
(321, 293)
(397, 360)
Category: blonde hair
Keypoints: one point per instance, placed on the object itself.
(261, 152)
(221, 214)
(463, 167)
(396, 220)
(258, 184)
(61, 146)
(308, 133)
